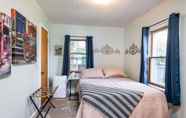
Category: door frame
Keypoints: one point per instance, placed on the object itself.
(40, 50)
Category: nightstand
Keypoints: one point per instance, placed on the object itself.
(72, 84)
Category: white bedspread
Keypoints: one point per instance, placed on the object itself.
(152, 105)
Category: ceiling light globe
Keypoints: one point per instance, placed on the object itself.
(102, 2)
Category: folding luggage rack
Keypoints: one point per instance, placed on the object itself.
(45, 101)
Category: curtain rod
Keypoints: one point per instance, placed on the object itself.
(166, 19)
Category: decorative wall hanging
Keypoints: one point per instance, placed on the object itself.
(5, 45)
(24, 34)
(58, 50)
(133, 49)
(107, 50)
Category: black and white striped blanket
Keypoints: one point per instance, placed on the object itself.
(112, 102)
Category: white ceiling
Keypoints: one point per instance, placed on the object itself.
(84, 12)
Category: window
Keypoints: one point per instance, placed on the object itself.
(77, 55)
(157, 56)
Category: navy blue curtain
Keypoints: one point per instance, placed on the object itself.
(66, 56)
(172, 73)
(89, 52)
(144, 55)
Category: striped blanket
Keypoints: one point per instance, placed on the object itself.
(112, 102)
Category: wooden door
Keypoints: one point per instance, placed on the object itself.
(44, 59)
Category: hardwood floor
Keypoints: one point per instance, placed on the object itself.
(64, 109)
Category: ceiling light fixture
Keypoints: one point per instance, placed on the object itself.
(102, 2)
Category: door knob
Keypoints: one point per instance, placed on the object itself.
(42, 73)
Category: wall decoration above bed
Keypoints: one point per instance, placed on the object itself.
(107, 50)
(133, 49)
(5, 45)
(24, 34)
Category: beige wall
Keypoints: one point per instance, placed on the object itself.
(133, 35)
(15, 89)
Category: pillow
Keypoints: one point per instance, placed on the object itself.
(95, 73)
(114, 73)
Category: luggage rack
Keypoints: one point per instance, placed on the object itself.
(44, 96)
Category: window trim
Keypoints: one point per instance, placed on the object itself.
(77, 39)
(77, 53)
(150, 57)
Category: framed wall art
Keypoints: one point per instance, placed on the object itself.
(24, 35)
(58, 50)
(5, 45)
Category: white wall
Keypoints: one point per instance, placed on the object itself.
(15, 89)
(133, 35)
(102, 35)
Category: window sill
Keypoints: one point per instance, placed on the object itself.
(156, 87)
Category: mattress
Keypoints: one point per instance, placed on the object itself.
(152, 105)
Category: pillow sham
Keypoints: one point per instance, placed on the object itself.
(114, 73)
(94, 73)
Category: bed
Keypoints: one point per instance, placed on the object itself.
(153, 104)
